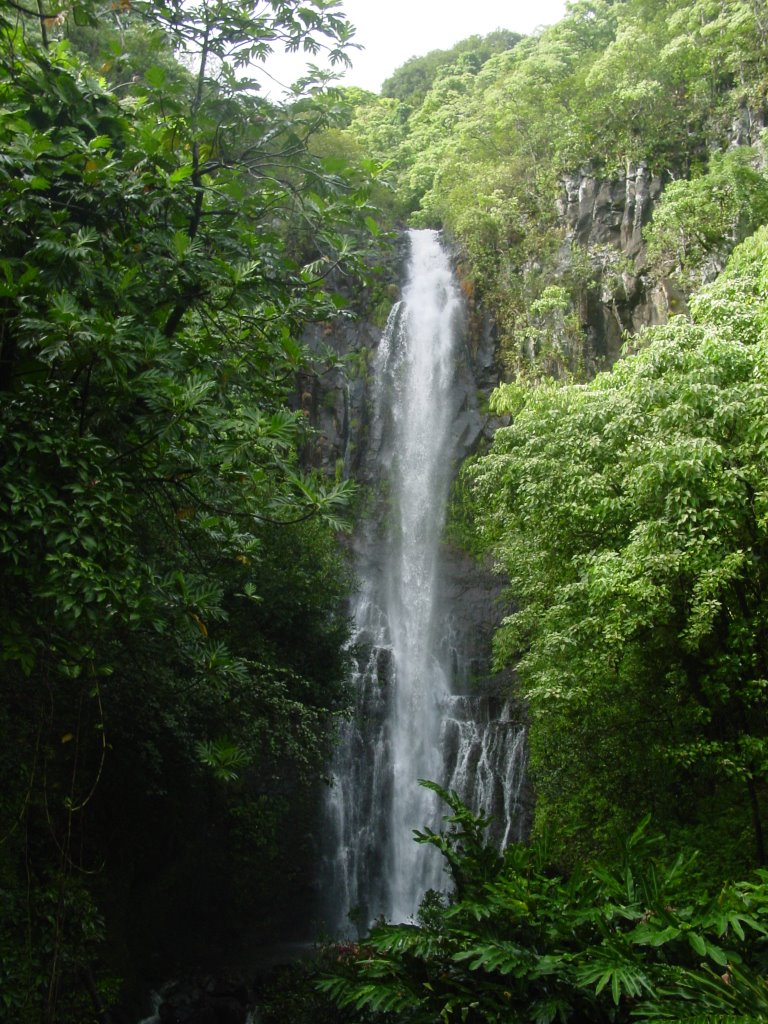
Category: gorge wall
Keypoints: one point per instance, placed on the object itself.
(338, 404)
(603, 216)
(426, 702)
(606, 217)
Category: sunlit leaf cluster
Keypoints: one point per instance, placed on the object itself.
(629, 515)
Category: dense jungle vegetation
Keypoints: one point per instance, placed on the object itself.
(626, 509)
(172, 618)
(172, 610)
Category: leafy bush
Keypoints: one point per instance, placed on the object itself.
(165, 242)
(629, 516)
(698, 222)
(519, 941)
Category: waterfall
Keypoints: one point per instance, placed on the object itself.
(409, 724)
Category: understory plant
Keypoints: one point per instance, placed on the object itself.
(638, 939)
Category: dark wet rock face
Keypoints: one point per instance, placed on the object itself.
(600, 211)
(606, 217)
(427, 704)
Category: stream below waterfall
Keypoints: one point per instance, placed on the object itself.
(416, 715)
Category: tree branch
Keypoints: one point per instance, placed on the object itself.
(39, 13)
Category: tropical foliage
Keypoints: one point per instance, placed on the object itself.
(488, 142)
(172, 640)
(167, 235)
(627, 513)
(629, 516)
(517, 941)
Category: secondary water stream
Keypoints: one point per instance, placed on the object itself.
(409, 724)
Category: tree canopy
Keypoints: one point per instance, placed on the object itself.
(629, 515)
(488, 148)
(411, 82)
(167, 236)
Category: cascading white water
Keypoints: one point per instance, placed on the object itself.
(422, 366)
(407, 725)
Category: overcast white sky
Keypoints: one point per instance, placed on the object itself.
(394, 30)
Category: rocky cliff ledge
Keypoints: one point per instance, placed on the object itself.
(606, 217)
